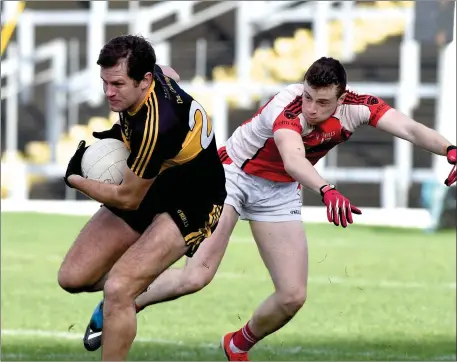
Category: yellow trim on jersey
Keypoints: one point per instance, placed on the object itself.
(191, 147)
(167, 164)
(149, 137)
(126, 141)
(138, 107)
(155, 128)
(144, 139)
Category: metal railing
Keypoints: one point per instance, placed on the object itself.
(84, 86)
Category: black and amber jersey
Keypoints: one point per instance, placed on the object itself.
(169, 129)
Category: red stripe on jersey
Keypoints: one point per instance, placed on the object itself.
(354, 98)
(376, 105)
(293, 109)
(288, 117)
(223, 156)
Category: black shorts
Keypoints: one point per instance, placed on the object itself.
(192, 196)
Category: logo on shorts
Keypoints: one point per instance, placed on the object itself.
(183, 218)
(295, 212)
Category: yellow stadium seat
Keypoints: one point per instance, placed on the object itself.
(205, 98)
(65, 150)
(303, 37)
(283, 46)
(290, 57)
(38, 152)
(98, 124)
(7, 178)
(34, 179)
(223, 74)
(80, 132)
(113, 118)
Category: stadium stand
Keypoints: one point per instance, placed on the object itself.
(377, 59)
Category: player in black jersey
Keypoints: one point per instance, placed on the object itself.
(169, 202)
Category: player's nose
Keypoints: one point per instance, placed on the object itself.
(311, 109)
(109, 91)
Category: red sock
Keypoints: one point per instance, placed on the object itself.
(244, 339)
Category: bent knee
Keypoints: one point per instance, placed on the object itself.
(118, 288)
(196, 280)
(291, 301)
(75, 279)
(70, 281)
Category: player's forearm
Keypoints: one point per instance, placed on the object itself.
(429, 139)
(304, 172)
(104, 193)
(402, 126)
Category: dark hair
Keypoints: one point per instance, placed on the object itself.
(325, 72)
(140, 55)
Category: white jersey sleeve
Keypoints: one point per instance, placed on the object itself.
(284, 110)
(358, 110)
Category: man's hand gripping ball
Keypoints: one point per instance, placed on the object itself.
(74, 166)
(115, 132)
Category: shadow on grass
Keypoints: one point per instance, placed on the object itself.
(434, 348)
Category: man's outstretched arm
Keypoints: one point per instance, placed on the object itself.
(402, 126)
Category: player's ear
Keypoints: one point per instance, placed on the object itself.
(147, 81)
(341, 99)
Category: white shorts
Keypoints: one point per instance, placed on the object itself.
(258, 199)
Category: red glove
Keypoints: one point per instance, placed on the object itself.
(339, 208)
(452, 159)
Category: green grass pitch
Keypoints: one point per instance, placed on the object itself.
(374, 294)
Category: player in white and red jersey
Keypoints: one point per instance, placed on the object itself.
(266, 160)
(253, 148)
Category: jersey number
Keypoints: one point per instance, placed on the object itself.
(198, 117)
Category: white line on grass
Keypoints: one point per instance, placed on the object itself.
(447, 357)
(350, 282)
(322, 280)
(324, 242)
(24, 256)
(207, 346)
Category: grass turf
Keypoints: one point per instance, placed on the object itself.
(374, 294)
